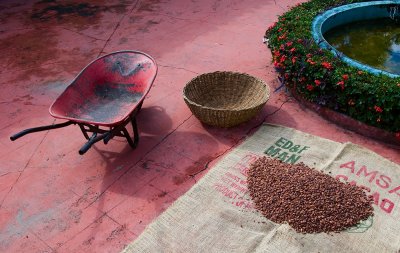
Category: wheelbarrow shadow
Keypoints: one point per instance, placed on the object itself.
(117, 164)
(147, 187)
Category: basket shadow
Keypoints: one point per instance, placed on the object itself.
(234, 135)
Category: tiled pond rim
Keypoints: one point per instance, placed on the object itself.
(351, 13)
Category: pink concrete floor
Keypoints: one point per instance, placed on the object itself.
(54, 200)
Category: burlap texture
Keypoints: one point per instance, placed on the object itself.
(217, 215)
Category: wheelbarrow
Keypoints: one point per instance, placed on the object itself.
(104, 98)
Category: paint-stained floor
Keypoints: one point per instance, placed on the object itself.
(54, 200)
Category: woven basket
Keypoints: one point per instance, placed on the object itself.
(225, 99)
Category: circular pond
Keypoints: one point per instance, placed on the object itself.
(365, 35)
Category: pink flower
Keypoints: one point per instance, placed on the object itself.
(341, 84)
(326, 65)
(317, 82)
(276, 53)
(311, 62)
(378, 109)
(282, 37)
(294, 60)
(292, 49)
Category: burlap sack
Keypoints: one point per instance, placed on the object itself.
(217, 215)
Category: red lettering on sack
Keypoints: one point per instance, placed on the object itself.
(366, 174)
(396, 190)
(387, 205)
(375, 197)
(243, 169)
(349, 165)
(345, 178)
(386, 181)
(381, 180)
(249, 158)
(226, 191)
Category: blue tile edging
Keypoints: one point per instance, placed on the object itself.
(347, 14)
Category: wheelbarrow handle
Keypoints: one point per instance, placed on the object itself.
(92, 140)
(38, 129)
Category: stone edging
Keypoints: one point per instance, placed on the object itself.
(348, 122)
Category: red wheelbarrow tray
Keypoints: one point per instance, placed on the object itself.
(108, 92)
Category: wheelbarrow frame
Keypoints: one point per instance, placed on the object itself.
(96, 129)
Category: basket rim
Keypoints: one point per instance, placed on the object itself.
(263, 101)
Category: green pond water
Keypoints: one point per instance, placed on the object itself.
(373, 42)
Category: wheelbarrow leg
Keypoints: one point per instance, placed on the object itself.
(135, 141)
(84, 131)
(92, 140)
(38, 129)
(122, 131)
(139, 107)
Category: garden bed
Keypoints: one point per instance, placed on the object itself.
(322, 78)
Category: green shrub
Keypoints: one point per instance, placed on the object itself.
(322, 78)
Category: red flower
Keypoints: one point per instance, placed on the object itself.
(276, 53)
(292, 49)
(326, 65)
(311, 62)
(378, 109)
(294, 60)
(280, 29)
(309, 87)
(289, 44)
(272, 26)
(276, 64)
(317, 82)
(341, 84)
(309, 55)
(283, 58)
(282, 37)
(299, 40)
(345, 77)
